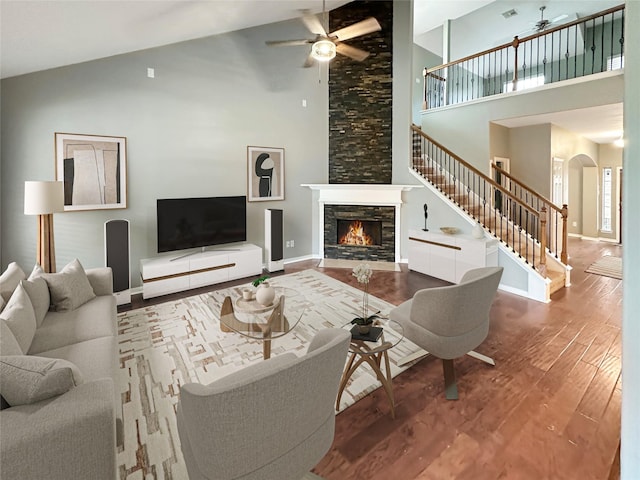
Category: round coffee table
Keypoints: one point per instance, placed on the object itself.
(257, 321)
(373, 352)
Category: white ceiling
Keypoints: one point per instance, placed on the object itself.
(602, 124)
(41, 34)
(38, 35)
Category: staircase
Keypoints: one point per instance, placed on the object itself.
(530, 228)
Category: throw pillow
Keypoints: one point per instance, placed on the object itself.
(70, 288)
(10, 279)
(8, 343)
(20, 318)
(38, 291)
(2, 303)
(26, 379)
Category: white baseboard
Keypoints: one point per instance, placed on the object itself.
(299, 259)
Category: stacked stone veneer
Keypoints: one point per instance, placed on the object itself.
(360, 99)
(384, 252)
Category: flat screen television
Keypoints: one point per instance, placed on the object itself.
(199, 222)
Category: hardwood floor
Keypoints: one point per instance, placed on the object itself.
(549, 409)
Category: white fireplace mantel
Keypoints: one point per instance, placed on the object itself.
(360, 194)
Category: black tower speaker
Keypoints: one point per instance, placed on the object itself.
(274, 239)
(116, 256)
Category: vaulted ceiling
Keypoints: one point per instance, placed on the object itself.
(38, 35)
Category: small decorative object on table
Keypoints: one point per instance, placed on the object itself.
(449, 230)
(363, 273)
(265, 293)
(426, 215)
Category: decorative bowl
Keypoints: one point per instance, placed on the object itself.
(449, 230)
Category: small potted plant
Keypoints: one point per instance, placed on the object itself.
(363, 274)
(265, 293)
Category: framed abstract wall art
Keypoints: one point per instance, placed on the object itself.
(265, 174)
(93, 169)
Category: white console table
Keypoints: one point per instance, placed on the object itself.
(448, 257)
(172, 273)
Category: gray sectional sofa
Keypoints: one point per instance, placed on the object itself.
(61, 415)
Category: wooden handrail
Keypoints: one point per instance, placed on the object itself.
(526, 39)
(487, 179)
(518, 182)
(573, 23)
(543, 237)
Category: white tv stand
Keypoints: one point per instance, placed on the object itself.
(170, 273)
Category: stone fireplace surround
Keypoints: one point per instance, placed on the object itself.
(384, 252)
(359, 196)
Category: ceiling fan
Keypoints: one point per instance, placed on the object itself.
(324, 46)
(542, 24)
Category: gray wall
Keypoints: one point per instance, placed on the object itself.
(187, 133)
(422, 58)
(630, 453)
(530, 150)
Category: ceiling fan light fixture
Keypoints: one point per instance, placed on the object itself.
(323, 50)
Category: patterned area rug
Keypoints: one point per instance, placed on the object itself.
(608, 266)
(165, 346)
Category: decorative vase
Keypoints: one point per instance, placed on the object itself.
(265, 294)
(364, 329)
(477, 231)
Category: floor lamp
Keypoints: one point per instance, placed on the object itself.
(44, 199)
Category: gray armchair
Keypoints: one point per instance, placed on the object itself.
(449, 322)
(272, 420)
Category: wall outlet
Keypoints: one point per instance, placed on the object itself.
(287, 244)
(291, 243)
(574, 224)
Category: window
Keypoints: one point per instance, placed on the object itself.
(525, 83)
(606, 199)
(615, 62)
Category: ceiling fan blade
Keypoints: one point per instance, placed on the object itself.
(287, 43)
(361, 28)
(351, 52)
(314, 25)
(308, 62)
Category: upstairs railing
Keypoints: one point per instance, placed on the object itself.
(518, 216)
(582, 47)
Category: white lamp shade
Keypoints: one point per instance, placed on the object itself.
(43, 197)
(323, 50)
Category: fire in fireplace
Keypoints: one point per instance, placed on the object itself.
(359, 232)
